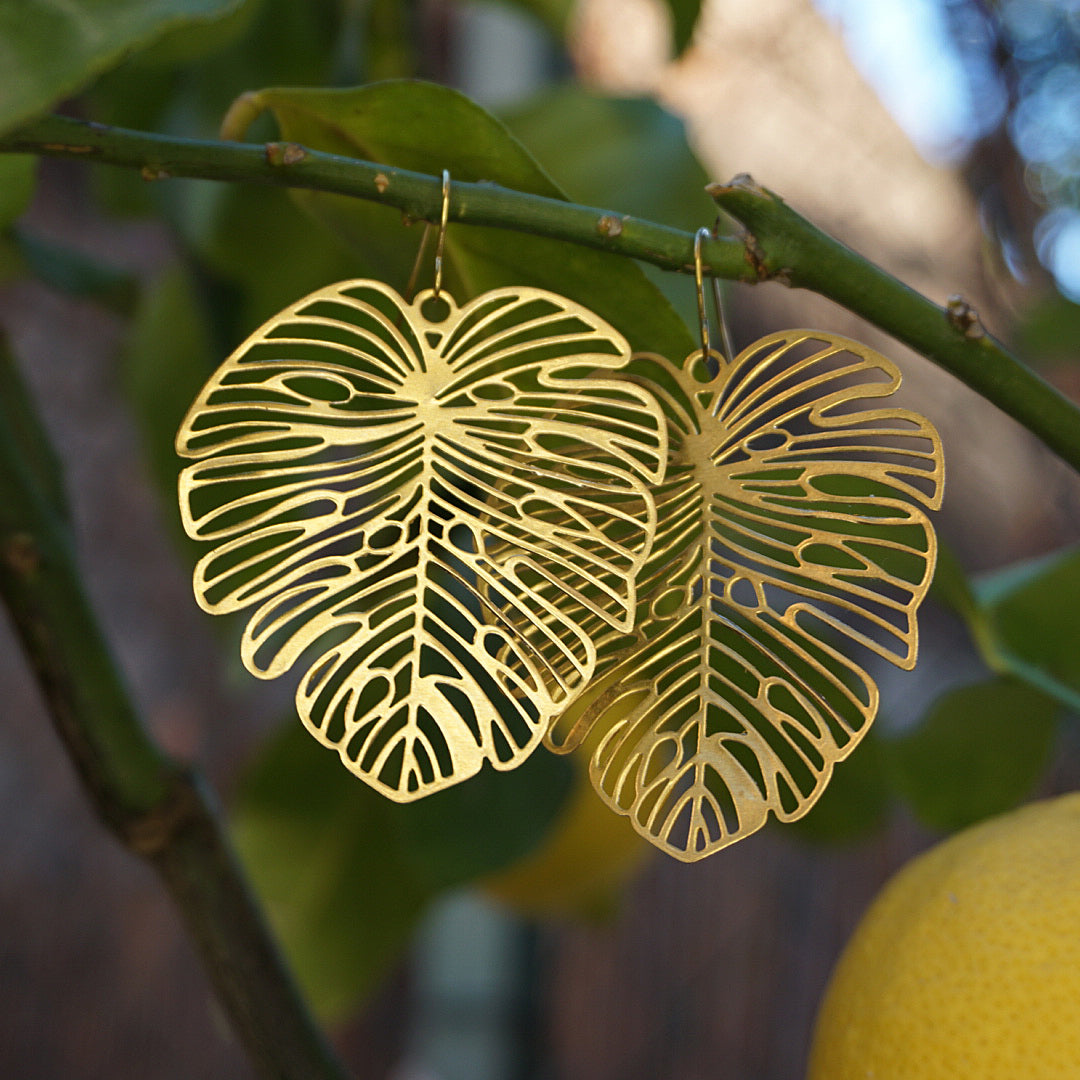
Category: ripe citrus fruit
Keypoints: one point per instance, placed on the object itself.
(967, 965)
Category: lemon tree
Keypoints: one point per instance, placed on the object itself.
(968, 963)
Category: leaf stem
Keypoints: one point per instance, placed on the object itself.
(157, 808)
(779, 245)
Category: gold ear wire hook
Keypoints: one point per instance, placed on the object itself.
(700, 283)
(718, 302)
(442, 233)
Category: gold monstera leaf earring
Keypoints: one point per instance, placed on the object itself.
(792, 517)
(430, 510)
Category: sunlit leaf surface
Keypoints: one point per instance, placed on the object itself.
(394, 487)
(791, 517)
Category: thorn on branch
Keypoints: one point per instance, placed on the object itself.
(960, 314)
(610, 225)
(284, 153)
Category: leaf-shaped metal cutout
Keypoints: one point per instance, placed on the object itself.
(790, 517)
(399, 490)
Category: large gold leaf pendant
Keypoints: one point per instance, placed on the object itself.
(791, 518)
(430, 510)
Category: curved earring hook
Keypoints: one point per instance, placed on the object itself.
(699, 282)
(439, 243)
(728, 353)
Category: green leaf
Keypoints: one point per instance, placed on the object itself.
(195, 40)
(265, 251)
(346, 874)
(48, 51)
(168, 357)
(951, 585)
(70, 271)
(594, 145)
(1032, 610)
(684, 17)
(979, 751)
(856, 802)
(420, 126)
(483, 825)
(17, 172)
(285, 42)
(320, 850)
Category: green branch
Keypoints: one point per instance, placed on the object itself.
(157, 808)
(779, 245)
(418, 195)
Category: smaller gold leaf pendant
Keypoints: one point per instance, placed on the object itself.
(429, 510)
(790, 518)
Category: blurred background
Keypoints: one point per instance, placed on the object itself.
(940, 138)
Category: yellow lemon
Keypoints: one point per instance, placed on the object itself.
(967, 965)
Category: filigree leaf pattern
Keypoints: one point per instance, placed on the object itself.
(791, 516)
(425, 505)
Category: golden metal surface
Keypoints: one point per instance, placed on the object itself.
(789, 518)
(430, 512)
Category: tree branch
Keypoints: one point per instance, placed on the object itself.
(418, 195)
(780, 245)
(157, 808)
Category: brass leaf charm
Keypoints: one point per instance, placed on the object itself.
(396, 493)
(789, 518)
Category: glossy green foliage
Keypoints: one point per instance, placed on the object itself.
(627, 153)
(168, 356)
(49, 51)
(855, 803)
(346, 874)
(76, 272)
(979, 751)
(1031, 610)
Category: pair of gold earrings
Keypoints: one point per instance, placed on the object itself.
(484, 527)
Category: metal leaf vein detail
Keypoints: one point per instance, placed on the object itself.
(427, 510)
(790, 518)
